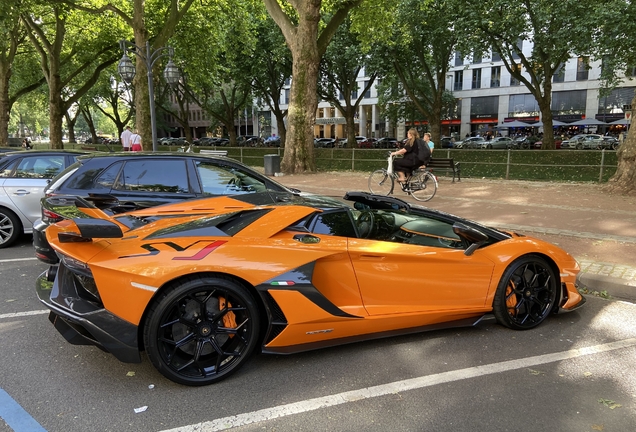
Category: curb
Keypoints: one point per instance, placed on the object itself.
(616, 288)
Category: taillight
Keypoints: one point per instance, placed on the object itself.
(50, 217)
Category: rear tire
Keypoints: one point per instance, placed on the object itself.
(380, 182)
(423, 185)
(201, 330)
(10, 228)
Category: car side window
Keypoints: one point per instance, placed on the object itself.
(227, 180)
(333, 223)
(154, 175)
(108, 177)
(39, 167)
(7, 170)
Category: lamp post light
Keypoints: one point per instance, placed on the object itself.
(126, 69)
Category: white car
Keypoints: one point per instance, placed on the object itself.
(583, 141)
(23, 176)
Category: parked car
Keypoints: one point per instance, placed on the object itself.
(447, 142)
(583, 141)
(272, 141)
(610, 142)
(129, 181)
(499, 143)
(201, 285)
(363, 142)
(386, 143)
(557, 143)
(23, 176)
(324, 142)
(471, 143)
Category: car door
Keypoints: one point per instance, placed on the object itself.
(25, 184)
(148, 182)
(420, 267)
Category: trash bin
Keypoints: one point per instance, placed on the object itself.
(272, 164)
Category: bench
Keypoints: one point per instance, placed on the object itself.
(445, 164)
(213, 152)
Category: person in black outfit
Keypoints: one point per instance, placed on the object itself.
(416, 153)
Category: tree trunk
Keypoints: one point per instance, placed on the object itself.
(624, 180)
(303, 100)
(351, 132)
(56, 105)
(282, 131)
(5, 105)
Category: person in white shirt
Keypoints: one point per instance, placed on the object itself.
(125, 138)
(135, 142)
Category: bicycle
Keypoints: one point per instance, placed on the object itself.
(421, 184)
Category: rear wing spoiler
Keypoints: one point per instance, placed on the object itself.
(90, 220)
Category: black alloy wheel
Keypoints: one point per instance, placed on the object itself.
(201, 330)
(526, 293)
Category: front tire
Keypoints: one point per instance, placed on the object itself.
(10, 228)
(380, 182)
(526, 293)
(201, 330)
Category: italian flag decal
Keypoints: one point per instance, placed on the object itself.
(283, 283)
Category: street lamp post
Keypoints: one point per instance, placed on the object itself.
(127, 71)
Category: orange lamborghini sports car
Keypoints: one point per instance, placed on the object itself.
(200, 285)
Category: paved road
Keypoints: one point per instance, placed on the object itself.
(571, 374)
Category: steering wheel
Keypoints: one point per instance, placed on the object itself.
(366, 223)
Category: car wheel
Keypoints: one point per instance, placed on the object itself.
(526, 293)
(201, 330)
(614, 146)
(489, 146)
(10, 228)
(579, 146)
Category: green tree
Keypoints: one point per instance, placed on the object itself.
(19, 74)
(308, 29)
(271, 68)
(416, 57)
(71, 58)
(339, 70)
(558, 30)
(155, 23)
(613, 37)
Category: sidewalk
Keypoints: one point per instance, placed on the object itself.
(598, 229)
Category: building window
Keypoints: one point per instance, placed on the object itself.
(459, 61)
(286, 96)
(522, 105)
(287, 81)
(631, 72)
(514, 81)
(476, 59)
(569, 102)
(459, 78)
(495, 76)
(582, 68)
(476, 78)
(559, 74)
(496, 56)
(354, 94)
(482, 107)
(367, 94)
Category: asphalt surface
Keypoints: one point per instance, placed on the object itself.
(597, 228)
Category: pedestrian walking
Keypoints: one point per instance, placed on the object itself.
(135, 142)
(125, 139)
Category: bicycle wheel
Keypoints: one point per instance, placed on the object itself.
(380, 182)
(423, 185)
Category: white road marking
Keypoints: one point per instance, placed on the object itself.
(395, 387)
(17, 259)
(22, 314)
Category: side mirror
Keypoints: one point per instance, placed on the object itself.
(475, 237)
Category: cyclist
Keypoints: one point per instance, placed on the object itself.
(416, 153)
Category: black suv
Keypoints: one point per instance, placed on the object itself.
(125, 182)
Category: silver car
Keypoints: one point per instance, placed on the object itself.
(471, 143)
(499, 143)
(583, 141)
(23, 176)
